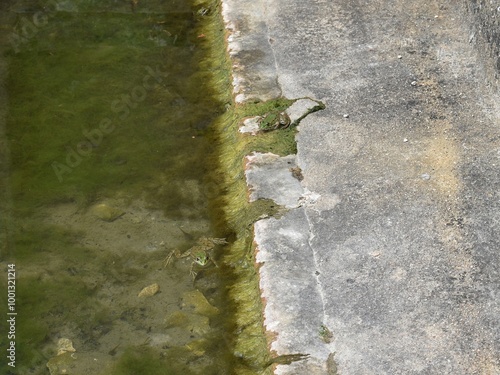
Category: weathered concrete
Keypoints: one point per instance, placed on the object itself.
(485, 33)
(254, 69)
(395, 248)
(269, 176)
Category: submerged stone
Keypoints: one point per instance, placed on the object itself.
(198, 347)
(201, 306)
(106, 213)
(176, 319)
(149, 291)
(60, 364)
(193, 323)
(65, 346)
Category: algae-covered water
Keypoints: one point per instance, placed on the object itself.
(105, 133)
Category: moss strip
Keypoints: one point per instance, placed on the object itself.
(233, 214)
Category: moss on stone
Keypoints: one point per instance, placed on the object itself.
(234, 216)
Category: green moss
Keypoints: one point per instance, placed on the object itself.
(231, 213)
(234, 216)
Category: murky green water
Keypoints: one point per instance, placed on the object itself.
(105, 133)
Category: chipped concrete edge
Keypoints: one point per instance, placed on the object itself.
(253, 63)
(284, 257)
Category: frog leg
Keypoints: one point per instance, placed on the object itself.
(184, 254)
(168, 259)
(214, 262)
(285, 122)
(192, 272)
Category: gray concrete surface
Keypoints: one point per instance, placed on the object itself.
(394, 244)
(484, 21)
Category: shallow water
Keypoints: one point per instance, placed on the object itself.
(104, 144)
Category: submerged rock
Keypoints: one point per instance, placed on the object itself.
(198, 347)
(201, 306)
(149, 291)
(176, 319)
(106, 213)
(64, 361)
(61, 364)
(65, 346)
(192, 323)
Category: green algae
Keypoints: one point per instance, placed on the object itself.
(122, 112)
(80, 147)
(234, 216)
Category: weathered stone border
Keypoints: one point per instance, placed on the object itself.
(280, 248)
(253, 63)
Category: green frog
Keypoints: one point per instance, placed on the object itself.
(199, 253)
(274, 120)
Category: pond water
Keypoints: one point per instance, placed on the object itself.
(104, 135)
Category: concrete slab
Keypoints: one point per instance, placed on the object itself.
(254, 70)
(293, 301)
(396, 250)
(270, 176)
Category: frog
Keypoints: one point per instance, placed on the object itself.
(274, 120)
(325, 334)
(199, 253)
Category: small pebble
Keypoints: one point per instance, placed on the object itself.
(425, 176)
(414, 83)
(400, 57)
(346, 115)
(149, 291)
(405, 140)
(65, 346)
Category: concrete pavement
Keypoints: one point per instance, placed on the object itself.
(388, 263)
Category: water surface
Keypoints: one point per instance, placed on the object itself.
(105, 137)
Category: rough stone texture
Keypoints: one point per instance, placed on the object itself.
(269, 176)
(250, 125)
(254, 70)
(397, 250)
(300, 109)
(485, 31)
(293, 302)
